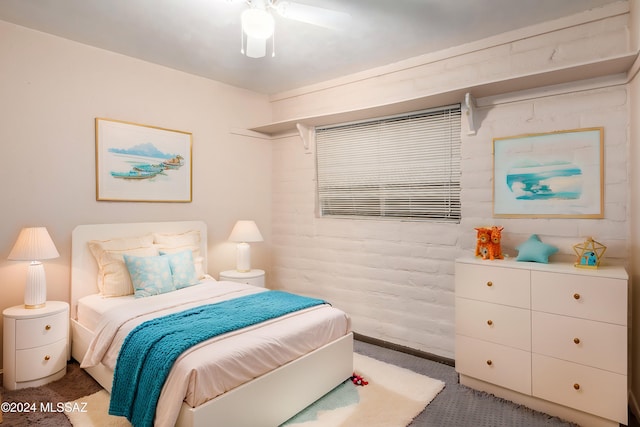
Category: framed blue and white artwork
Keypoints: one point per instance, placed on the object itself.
(141, 163)
(557, 174)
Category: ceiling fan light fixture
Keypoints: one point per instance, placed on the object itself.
(256, 48)
(257, 23)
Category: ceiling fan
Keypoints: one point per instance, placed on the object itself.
(258, 24)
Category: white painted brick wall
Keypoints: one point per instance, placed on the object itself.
(395, 278)
(465, 66)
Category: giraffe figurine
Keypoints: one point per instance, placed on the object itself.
(495, 252)
(483, 240)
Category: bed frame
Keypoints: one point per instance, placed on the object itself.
(272, 398)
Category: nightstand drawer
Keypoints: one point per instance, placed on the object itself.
(496, 323)
(596, 344)
(41, 331)
(588, 389)
(506, 286)
(501, 365)
(41, 362)
(588, 297)
(252, 277)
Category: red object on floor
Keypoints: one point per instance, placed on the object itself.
(358, 380)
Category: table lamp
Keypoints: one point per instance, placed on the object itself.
(34, 244)
(244, 232)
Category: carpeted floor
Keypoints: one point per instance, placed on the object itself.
(76, 383)
(456, 405)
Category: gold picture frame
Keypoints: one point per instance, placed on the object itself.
(142, 163)
(549, 175)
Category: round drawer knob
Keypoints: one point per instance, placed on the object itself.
(576, 296)
(48, 327)
(47, 357)
(576, 340)
(489, 283)
(489, 322)
(489, 362)
(576, 386)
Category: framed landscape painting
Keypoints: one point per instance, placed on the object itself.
(553, 175)
(142, 163)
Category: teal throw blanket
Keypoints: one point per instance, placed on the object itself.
(149, 351)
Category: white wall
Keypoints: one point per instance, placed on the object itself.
(396, 278)
(634, 207)
(51, 90)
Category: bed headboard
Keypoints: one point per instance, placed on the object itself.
(84, 269)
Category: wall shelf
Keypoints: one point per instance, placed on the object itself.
(603, 67)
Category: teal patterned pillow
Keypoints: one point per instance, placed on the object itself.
(150, 275)
(182, 267)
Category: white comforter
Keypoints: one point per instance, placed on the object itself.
(221, 363)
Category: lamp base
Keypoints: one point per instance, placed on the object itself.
(243, 257)
(35, 292)
(30, 307)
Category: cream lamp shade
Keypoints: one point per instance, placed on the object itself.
(243, 232)
(34, 244)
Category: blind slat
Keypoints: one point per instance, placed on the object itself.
(398, 167)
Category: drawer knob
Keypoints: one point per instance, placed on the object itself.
(48, 327)
(576, 296)
(576, 340)
(576, 386)
(489, 283)
(47, 357)
(489, 362)
(489, 322)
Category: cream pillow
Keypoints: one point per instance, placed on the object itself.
(113, 276)
(177, 242)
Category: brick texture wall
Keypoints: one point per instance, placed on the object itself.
(395, 278)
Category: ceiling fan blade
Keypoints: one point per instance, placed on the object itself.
(319, 16)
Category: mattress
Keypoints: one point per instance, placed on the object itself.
(91, 309)
(219, 364)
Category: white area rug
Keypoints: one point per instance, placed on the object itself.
(393, 397)
(97, 412)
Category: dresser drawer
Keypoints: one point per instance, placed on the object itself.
(500, 324)
(588, 297)
(501, 365)
(40, 362)
(596, 344)
(508, 286)
(41, 331)
(581, 387)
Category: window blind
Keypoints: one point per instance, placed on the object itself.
(404, 166)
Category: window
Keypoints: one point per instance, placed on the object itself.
(403, 167)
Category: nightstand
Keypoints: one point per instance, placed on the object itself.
(36, 344)
(253, 277)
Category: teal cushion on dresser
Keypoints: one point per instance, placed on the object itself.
(535, 250)
(149, 275)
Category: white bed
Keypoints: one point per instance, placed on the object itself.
(273, 396)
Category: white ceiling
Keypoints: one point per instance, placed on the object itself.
(202, 37)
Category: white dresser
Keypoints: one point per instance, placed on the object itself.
(550, 336)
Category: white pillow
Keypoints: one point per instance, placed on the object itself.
(178, 242)
(113, 276)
